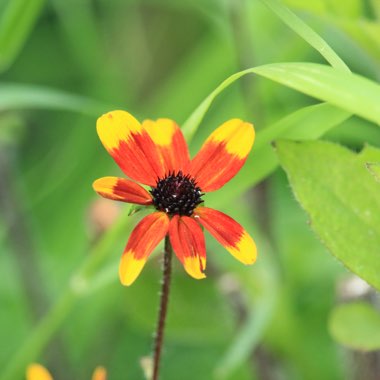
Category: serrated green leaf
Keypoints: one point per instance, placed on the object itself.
(374, 169)
(356, 325)
(342, 200)
(371, 155)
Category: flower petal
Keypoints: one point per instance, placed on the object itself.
(223, 154)
(37, 372)
(188, 242)
(144, 238)
(229, 233)
(100, 373)
(171, 144)
(122, 189)
(130, 146)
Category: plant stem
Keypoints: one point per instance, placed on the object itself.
(165, 288)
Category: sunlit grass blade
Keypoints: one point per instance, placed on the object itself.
(18, 96)
(16, 23)
(192, 123)
(350, 92)
(307, 33)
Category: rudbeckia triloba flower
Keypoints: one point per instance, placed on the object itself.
(38, 372)
(155, 154)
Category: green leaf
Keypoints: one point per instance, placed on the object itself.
(16, 23)
(342, 200)
(374, 169)
(356, 325)
(18, 96)
(371, 155)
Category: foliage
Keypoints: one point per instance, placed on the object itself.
(65, 62)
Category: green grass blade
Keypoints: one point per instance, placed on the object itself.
(16, 24)
(350, 92)
(307, 33)
(192, 123)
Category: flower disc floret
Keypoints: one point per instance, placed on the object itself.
(176, 194)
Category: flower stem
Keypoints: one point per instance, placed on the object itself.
(165, 288)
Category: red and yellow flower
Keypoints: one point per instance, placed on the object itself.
(155, 154)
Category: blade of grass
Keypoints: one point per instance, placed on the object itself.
(307, 33)
(351, 92)
(18, 96)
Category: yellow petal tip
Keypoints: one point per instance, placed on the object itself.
(161, 131)
(130, 268)
(192, 266)
(245, 250)
(100, 373)
(237, 135)
(116, 126)
(37, 372)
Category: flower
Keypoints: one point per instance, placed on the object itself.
(38, 372)
(155, 154)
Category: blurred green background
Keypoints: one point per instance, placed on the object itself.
(65, 62)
